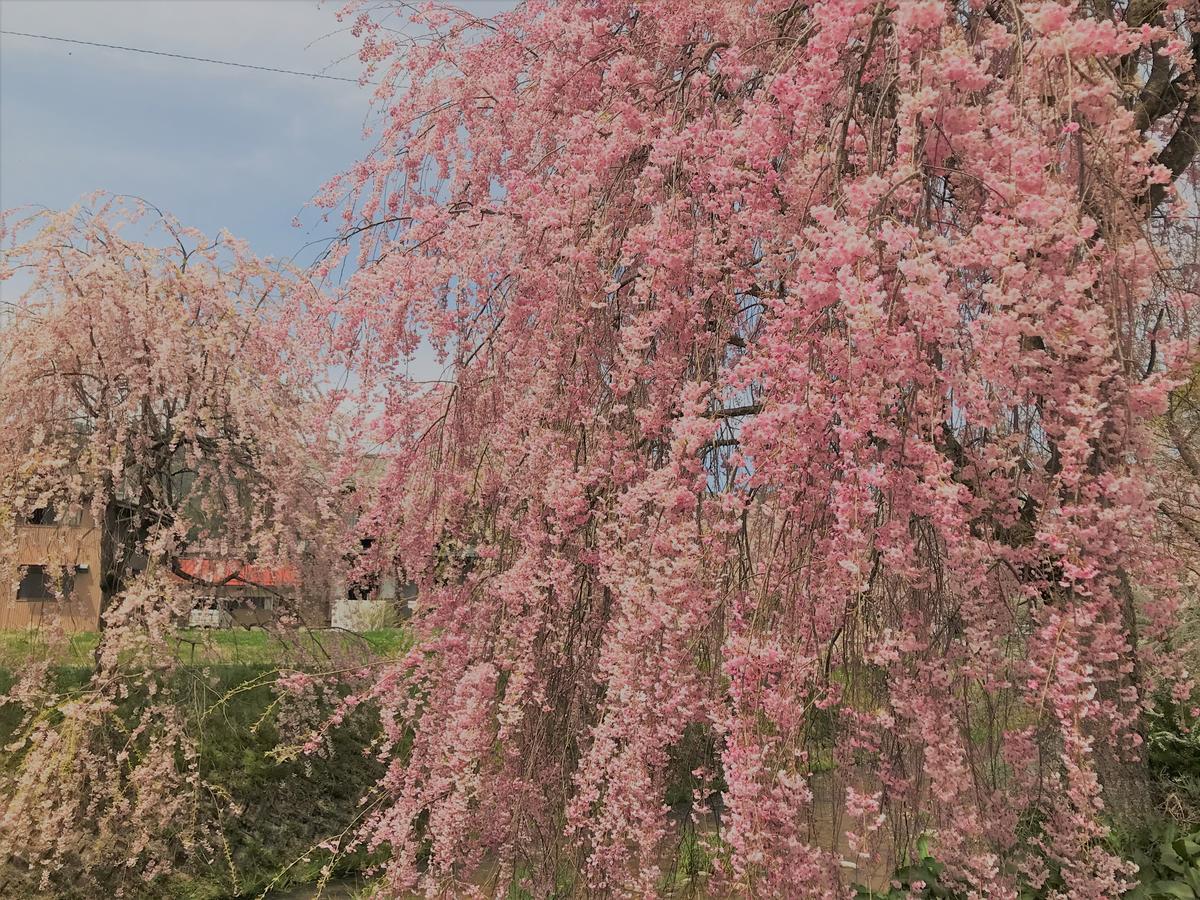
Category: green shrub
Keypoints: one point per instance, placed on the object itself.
(269, 811)
(923, 870)
(1168, 861)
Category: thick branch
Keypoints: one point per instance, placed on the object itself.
(734, 411)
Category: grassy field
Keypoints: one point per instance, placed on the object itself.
(241, 646)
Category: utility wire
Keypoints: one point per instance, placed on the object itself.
(216, 62)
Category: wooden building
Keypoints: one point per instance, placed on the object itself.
(60, 565)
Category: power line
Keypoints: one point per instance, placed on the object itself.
(216, 62)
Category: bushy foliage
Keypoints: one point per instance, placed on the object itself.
(231, 810)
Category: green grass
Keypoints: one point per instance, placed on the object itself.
(234, 646)
(20, 647)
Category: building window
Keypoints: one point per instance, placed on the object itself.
(37, 583)
(43, 515)
(366, 587)
(49, 515)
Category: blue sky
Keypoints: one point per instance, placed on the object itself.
(219, 147)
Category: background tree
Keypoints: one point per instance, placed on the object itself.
(168, 384)
(800, 365)
(169, 387)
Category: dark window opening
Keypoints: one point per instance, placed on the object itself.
(49, 515)
(44, 515)
(38, 584)
(365, 588)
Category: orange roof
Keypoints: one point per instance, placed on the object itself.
(235, 574)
